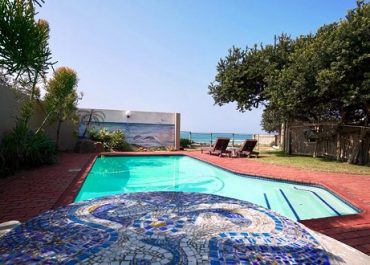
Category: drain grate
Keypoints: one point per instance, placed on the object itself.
(74, 170)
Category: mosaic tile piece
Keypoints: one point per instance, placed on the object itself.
(161, 228)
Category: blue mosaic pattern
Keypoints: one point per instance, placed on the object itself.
(161, 228)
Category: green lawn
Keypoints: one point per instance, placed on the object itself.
(310, 163)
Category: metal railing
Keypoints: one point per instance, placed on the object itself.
(210, 137)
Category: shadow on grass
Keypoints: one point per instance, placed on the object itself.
(308, 158)
(276, 153)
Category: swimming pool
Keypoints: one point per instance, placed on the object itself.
(126, 174)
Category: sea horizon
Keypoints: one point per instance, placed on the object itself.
(209, 138)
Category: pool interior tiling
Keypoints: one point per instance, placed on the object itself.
(126, 174)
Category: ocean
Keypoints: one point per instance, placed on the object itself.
(210, 138)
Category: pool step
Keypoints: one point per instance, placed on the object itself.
(321, 199)
(290, 205)
(267, 201)
(278, 202)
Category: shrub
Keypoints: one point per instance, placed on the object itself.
(185, 143)
(93, 134)
(170, 148)
(119, 142)
(4, 169)
(40, 150)
(114, 140)
(22, 148)
(105, 137)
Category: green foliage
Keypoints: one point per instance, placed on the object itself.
(61, 97)
(185, 143)
(112, 141)
(317, 77)
(242, 76)
(24, 48)
(93, 134)
(271, 120)
(25, 56)
(118, 141)
(23, 148)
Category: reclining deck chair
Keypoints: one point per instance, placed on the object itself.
(246, 149)
(219, 148)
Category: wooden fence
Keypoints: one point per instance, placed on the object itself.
(341, 142)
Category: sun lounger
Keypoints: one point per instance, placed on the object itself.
(219, 148)
(246, 149)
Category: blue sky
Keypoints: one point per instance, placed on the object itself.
(161, 55)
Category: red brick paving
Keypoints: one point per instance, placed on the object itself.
(29, 193)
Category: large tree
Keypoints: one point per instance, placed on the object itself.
(316, 77)
(25, 56)
(242, 76)
(61, 97)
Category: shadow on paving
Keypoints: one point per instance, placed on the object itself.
(356, 236)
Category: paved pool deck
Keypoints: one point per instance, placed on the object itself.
(31, 192)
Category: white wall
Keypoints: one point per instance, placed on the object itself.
(137, 116)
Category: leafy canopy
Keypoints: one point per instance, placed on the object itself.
(317, 77)
(24, 48)
(61, 97)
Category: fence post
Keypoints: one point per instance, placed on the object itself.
(211, 139)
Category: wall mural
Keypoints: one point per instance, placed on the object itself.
(142, 134)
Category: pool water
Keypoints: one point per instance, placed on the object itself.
(126, 174)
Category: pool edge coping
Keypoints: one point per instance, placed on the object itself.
(75, 186)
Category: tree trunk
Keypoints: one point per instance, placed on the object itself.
(282, 136)
(288, 139)
(33, 91)
(314, 153)
(316, 143)
(87, 124)
(358, 153)
(58, 133)
(338, 149)
(43, 123)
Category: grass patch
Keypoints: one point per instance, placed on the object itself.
(309, 163)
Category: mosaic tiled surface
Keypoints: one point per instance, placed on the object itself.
(161, 228)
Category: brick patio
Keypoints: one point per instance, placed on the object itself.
(31, 192)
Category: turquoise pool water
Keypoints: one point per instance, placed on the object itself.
(125, 174)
